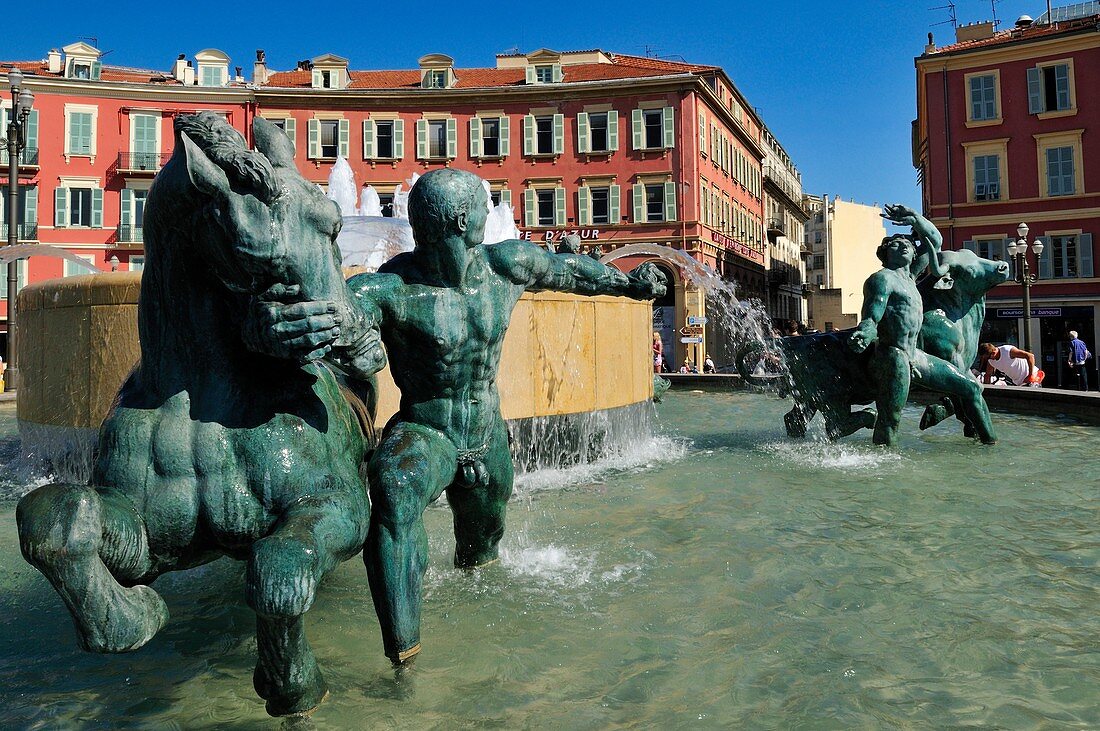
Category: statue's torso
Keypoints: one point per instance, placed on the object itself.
(900, 324)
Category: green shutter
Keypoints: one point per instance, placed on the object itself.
(638, 129)
(1045, 258)
(398, 139)
(97, 70)
(529, 202)
(475, 137)
(669, 128)
(1061, 86)
(504, 137)
(291, 129)
(639, 203)
(670, 201)
(530, 75)
(314, 139)
(612, 131)
(61, 207)
(31, 130)
(345, 138)
(559, 206)
(97, 207)
(30, 210)
(1034, 91)
(368, 139)
(506, 196)
(452, 137)
(1084, 249)
(583, 206)
(613, 207)
(125, 206)
(318, 80)
(559, 134)
(422, 139)
(583, 143)
(528, 134)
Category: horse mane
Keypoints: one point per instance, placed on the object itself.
(226, 147)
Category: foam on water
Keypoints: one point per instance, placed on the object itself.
(834, 455)
(633, 456)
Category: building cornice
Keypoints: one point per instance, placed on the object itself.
(1019, 50)
(142, 92)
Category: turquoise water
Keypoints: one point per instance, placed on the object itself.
(719, 577)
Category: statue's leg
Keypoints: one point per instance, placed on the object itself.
(935, 413)
(311, 538)
(410, 468)
(939, 375)
(86, 542)
(891, 371)
(479, 511)
(840, 424)
(797, 419)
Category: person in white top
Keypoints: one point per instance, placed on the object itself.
(1018, 366)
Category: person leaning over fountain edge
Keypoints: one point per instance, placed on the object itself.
(444, 308)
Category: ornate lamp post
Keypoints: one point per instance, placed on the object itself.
(1018, 251)
(21, 102)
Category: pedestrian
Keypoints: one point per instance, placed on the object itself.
(1078, 360)
(708, 365)
(792, 327)
(1018, 366)
(658, 353)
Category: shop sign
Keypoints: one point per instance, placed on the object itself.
(691, 340)
(586, 234)
(1011, 313)
(737, 247)
(694, 320)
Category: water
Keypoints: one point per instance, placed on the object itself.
(746, 581)
(25, 251)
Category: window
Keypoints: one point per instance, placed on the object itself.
(1060, 173)
(817, 237)
(386, 201)
(72, 269)
(20, 278)
(494, 197)
(655, 202)
(597, 132)
(490, 137)
(983, 97)
(330, 137)
(79, 205)
(137, 263)
(212, 75)
(654, 128)
(599, 201)
(987, 178)
(544, 73)
(436, 79)
(329, 79)
(1049, 88)
(819, 261)
(437, 138)
(80, 133)
(82, 70)
(131, 214)
(1064, 256)
(383, 146)
(544, 135)
(545, 210)
(26, 215)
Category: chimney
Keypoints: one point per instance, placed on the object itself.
(178, 67)
(189, 75)
(931, 44)
(259, 68)
(53, 61)
(237, 78)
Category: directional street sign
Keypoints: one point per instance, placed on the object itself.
(691, 330)
(691, 340)
(693, 320)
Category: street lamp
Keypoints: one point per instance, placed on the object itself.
(1018, 251)
(21, 102)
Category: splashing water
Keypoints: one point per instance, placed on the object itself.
(25, 251)
(341, 187)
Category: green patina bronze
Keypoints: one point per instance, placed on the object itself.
(444, 309)
(922, 315)
(231, 437)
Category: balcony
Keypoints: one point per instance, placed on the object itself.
(28, 158)
(23, 231)
(776, 227)
(142, 162)
(129, 234)
(784, 274)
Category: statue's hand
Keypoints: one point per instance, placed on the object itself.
(899, 214)
(647, 282)
(359, 351)
(860, 339)
(278, 326)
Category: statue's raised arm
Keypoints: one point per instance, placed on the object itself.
(930, 243)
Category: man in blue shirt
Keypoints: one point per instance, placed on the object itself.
(1078, 355)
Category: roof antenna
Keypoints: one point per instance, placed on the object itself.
(953, 20)
(993, 6)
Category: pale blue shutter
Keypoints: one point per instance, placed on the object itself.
(528, 133)
(1034, 91)
(1069, 178)
(314, 139)
(452, 137)
(702, 132)
(559, 206)
(368, 139)
(556, 73)
(125, 207)
(506, 196)
(97, 70)
(61, 207)
(639, 203)
(530, 75)
(670, 201)
(345, 138)
(505, 138)
(291, 129)
(31, 133)
(475, 137)
(612, 131)
(30, 213)
(637, 129)
(529, 202)
(614, 196)
(668, 128)
(422, 139)
(976, 106)
(583, 144)
(1084, 252)
(1045, 258)
(398, 139)
(559, 134)
(989, 89)
(583, 208)
(1061, 85)
(97, 207)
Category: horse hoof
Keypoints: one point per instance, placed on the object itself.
(301, 709)
(933, 414)
(135, 615)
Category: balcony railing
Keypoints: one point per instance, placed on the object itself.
(776, 227)
(129, 234)
(782, 273)
(28, 157)
(24, 231)
(135, 162)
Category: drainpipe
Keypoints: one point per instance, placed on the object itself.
(947, 152)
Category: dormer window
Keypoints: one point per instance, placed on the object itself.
(436, 79)
(544, 67)
(330, 72)
(213, 67)
(82, 70)
(211, 76)
(437, 71)
(544, 73)
(82, 61)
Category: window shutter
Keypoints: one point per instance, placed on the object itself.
(970, 246)
(583, 206)
(529, 200)
(559, 206)
(639, 203)
(345, 138)
(30, 211)
(1034, 91)
(61, 207)
(422, 139)
(1069, 177)
(529, 133)
(977, 108)
(559, 134)
(314, 139)
(452, 137)
(291, 129)
(1054, 170)
(475, 137)
(1084, 249)
(368, 139)
(31, 131)
(612, 130)
(1045, 258)
(556, 73)
(583, 144)
(505, 139)
(613, 197)
(669, 129)
(97, 70)
(637, 128)
(125, 207)
(398, 138)
(506, 196)
(318, 80)
(97, 207)
(1061, 85)
(670, 201)
(531, 78)
(702, 132)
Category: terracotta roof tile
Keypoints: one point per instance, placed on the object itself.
(1011, 36)
(108, 73)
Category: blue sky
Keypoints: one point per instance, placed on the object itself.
(834, 81)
